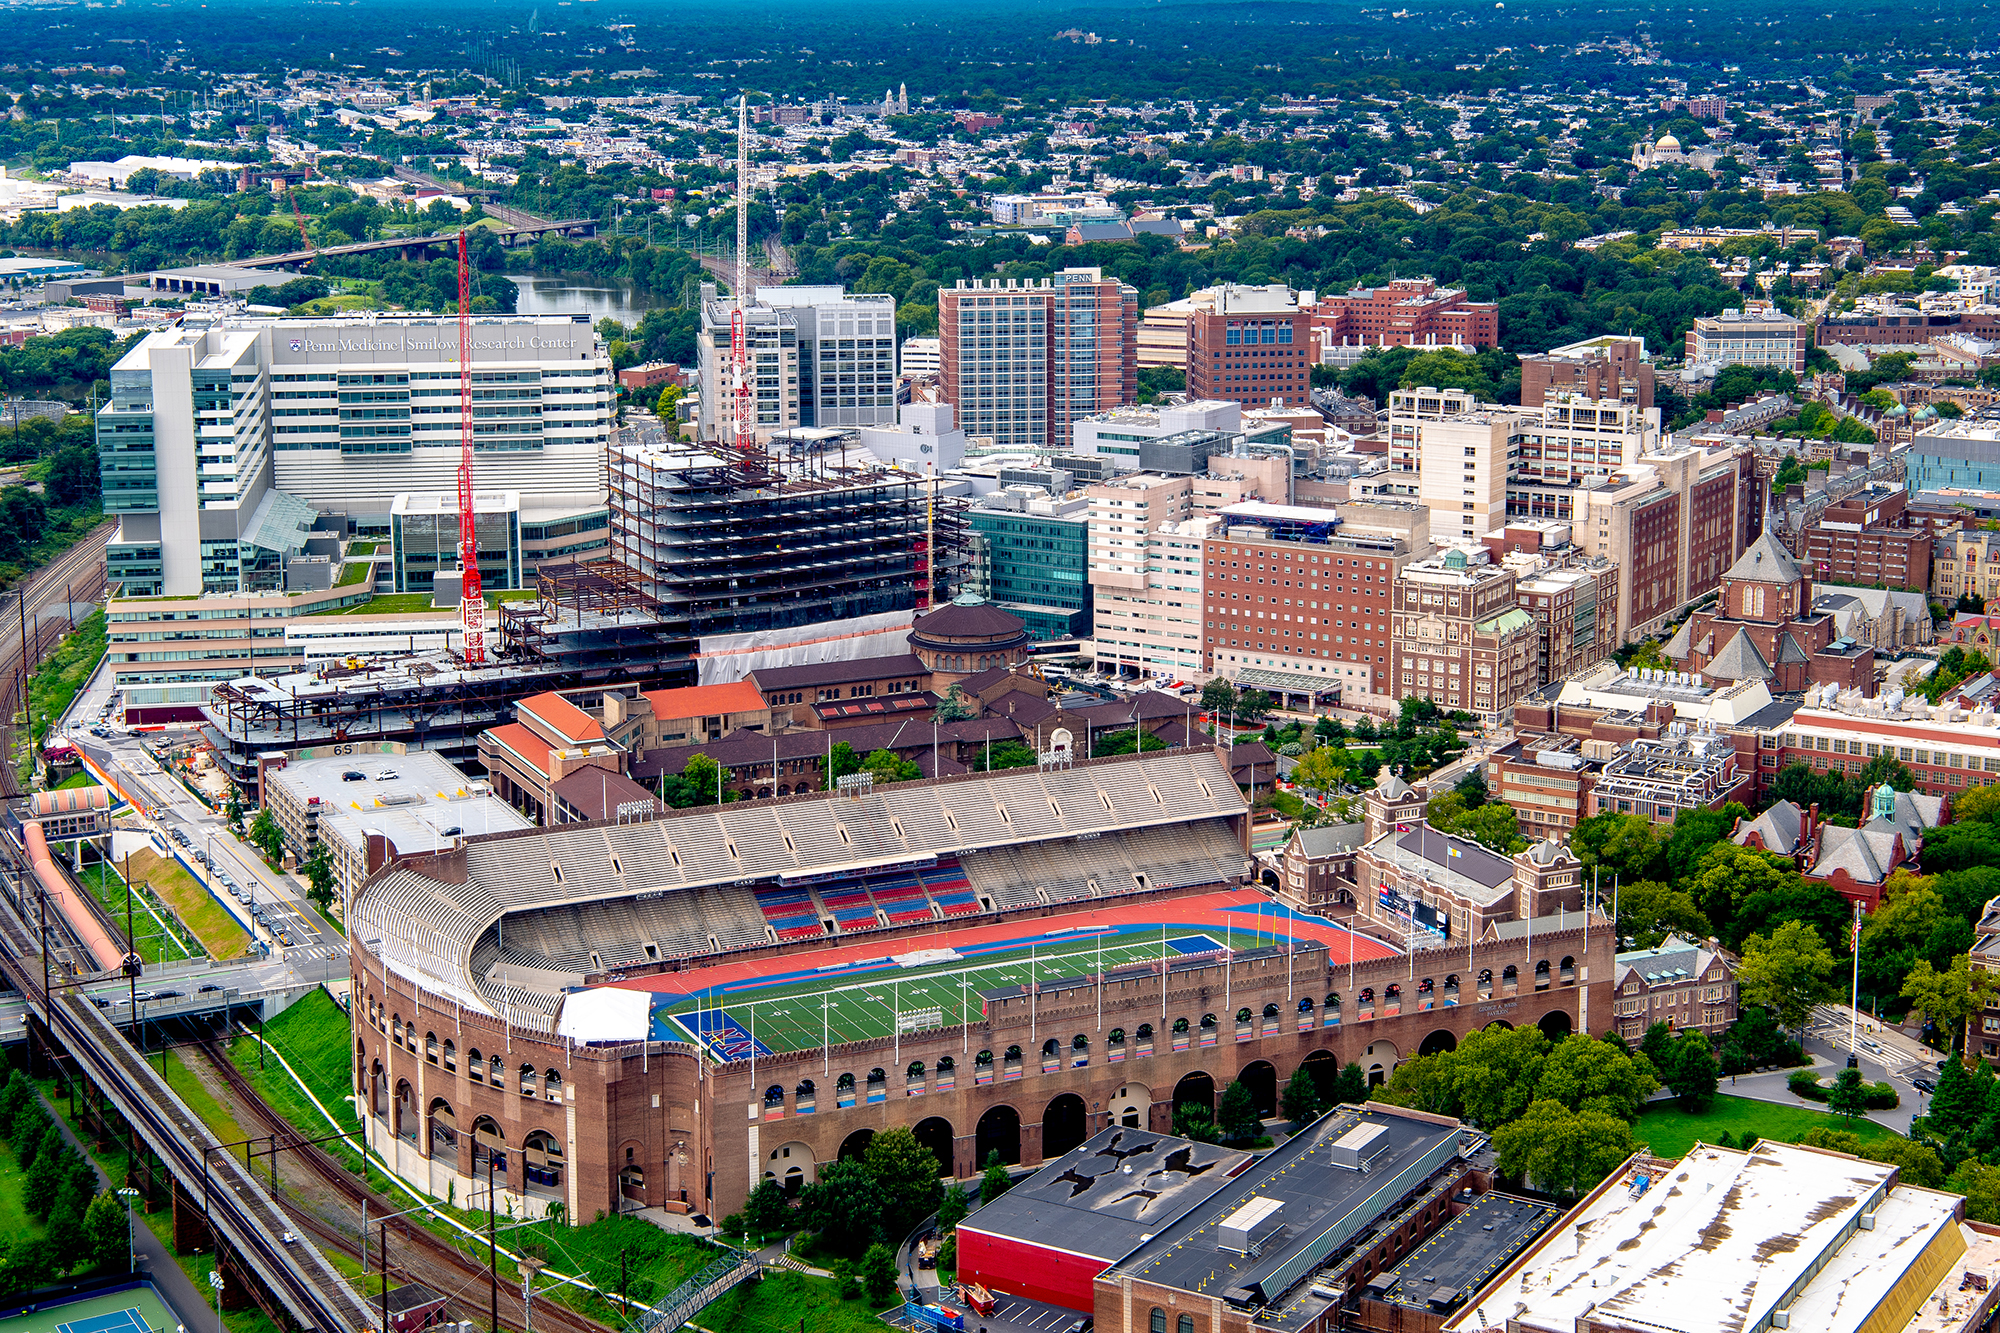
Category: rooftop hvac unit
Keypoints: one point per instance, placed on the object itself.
(1250, 1225)
(1358, 1148)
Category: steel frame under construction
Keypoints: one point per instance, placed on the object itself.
(709, 541)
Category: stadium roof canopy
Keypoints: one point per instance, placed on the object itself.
(424, 915)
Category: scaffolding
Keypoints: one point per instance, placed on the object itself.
(751, 540)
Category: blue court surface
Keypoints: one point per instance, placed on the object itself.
(1195, 944)
(117, 1321)
(714, 1029)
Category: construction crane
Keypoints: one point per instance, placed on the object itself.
(746, 412)
(471, 599)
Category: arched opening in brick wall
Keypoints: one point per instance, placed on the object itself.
(855, 1144)
(1197, 1088)
(1261, 1077)
(998, 1131)
(1064, 1125)
(934, 1132)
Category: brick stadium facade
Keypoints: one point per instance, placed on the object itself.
(645, 1124)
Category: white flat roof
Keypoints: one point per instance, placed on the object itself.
(1714, 1242)
(414, 809)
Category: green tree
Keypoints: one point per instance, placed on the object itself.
(1959, 1104)
(845, 1206)
(1236, 1115)
(1350, 1088)
(1691, 1070)
(267, 836)
(908, 1174)
(319, 876)
(1321, 769)
(1726, 875)
(767, 1212)
(1788, 972)
(1013, 754)
(954, 707)
(1950, 998)
(1589, 1075)
(996, 1181)
(1849, 1094)
(1979, 805)
(1194, 1121)
(1218, 696)
(951, 1209)
(1252, 706)
(1488, 1079)
(1980, 1184)
(45, 1177)
(104, 1231)
(888, 766)
(1628, 846)
(700, 782)
(877, 1271)
(1649, 911)
(1300, 1102)
(1561, 1151)
(233, 811)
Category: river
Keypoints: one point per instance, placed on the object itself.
(542, 294)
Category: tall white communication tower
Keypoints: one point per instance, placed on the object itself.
(746, 409)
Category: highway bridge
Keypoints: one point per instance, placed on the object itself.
(516, 227)
(290, 1278)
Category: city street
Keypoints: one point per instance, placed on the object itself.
(168, 807)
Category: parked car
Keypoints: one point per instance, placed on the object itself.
(1922, 1084)
(353, 775)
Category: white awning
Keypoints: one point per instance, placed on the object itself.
(609, 1014)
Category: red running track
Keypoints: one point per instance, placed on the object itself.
(1222, 915)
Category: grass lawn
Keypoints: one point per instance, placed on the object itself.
(360, 547)
(54, 685)
(158, 937)
(415, 603)
(784, 1300)
(1671, 1131)
(354, 571)
(197, 908)
(314, 1037)
(656, 1261)
(15, 1222)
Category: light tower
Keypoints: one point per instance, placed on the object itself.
(746, 412)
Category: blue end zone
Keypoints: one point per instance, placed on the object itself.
(118, 1321)
(721, 1035)
(1195, 944)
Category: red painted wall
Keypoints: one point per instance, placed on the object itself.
(1017, 1268)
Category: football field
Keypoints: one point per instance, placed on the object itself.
(919, 992)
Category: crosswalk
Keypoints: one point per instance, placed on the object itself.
(310, 952)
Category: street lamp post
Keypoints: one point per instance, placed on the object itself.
(215, 1281)
(131, 1240)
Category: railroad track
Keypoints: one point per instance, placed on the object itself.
(242, 1216)
(416, 1252)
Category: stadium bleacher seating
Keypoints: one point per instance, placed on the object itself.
(901, 897)
(791, 911)
(949, 888)
(848, 902)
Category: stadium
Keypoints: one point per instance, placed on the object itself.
(614, 1015)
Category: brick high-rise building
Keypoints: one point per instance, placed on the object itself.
(1251, 347)
(1020, 361)
(1296, 600)
(1870, 538)
(1457, 636)
(1608, 367)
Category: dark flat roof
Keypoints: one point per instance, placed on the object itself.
(1104, 1198)
(838, 673)
(1463, 1255)
(1318, 1196)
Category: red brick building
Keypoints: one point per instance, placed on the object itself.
(1763, 627)
(1252, 348)
(1871, 539)
(1605, 368)
(1408, 312)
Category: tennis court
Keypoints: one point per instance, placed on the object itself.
(137, 1310)
(805, 1000)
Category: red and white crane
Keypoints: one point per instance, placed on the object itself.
(472, 601)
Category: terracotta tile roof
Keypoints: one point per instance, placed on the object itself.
(738, 696)
(561, 716)
(532, 749)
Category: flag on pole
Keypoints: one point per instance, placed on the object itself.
(1456, 852)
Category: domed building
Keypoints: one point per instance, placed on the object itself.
(1668, 151)
(966, 636)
